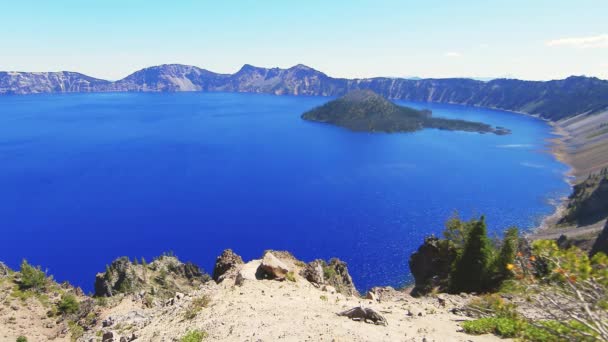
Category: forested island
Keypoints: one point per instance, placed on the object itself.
(367, 111)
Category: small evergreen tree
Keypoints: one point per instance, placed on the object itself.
(471, 270)
(506, 256)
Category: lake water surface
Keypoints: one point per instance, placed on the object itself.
(86, 178)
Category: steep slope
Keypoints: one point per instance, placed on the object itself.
(364, 110)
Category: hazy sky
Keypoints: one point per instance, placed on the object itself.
(529, 39)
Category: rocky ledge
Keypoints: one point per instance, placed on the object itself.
(274, 297)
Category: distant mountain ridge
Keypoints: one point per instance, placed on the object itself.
(552, 100)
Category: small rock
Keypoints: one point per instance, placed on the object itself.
(329, 288)
(107, 322)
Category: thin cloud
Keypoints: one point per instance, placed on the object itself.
(581, 42)
(453, 54)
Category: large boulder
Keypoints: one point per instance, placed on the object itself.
(431, 265)
(226, 265)
(601, 243)
(273, 268)
(335, 273)
(248, 272)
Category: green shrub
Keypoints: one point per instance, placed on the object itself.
(68, 304)
(471, 271)
(76, 331)
(32, 277)
(500, 326)
(291, 276)
(194, 336)
(328, 272)
(21, 339)
(543, 331)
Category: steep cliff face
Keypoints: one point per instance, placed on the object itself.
(49, 82)
(553, 100)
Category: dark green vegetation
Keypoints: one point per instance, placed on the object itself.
(566, 284)
(466, 260)
(68, 304)
(32, 278)
(588, 203)
(364, 110)
(552, 100)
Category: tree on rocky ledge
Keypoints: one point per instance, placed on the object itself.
(472, 268)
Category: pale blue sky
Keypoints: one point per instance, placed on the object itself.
(528, 39)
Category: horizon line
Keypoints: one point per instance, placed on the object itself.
(413, 78)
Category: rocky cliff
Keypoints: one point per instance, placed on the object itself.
(551, 100)
(50, 82)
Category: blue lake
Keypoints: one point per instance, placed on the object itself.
(86, 178)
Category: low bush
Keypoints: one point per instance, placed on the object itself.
(194, 336)
(68, 304)
(32, 277)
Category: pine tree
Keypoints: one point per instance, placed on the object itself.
(506, 255)
(472, 268)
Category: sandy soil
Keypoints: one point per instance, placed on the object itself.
(268, 310)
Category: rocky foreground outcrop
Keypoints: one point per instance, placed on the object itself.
(275, 297)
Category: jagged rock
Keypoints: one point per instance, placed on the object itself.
(341, 279)
(601, 243)
(117, 278)
(226, 265)
(4, 270)
(190, 271)
(164, 276)
(365, 314)
(430, 265)
(273, 268)
(335, 274)
(313, 272)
